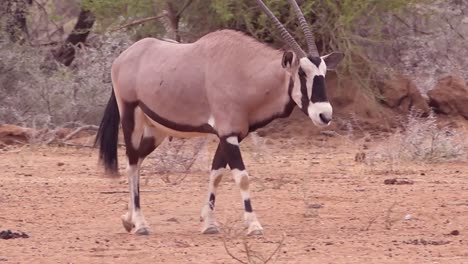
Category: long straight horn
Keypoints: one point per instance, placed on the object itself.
(305, 27)
(283, 31)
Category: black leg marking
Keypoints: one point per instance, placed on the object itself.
(128, 125)
(147, 145)
(232, 154)
(137, 197)
(219, 161)
(212, 201)
(248, 206)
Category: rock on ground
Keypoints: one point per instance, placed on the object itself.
(450, 96)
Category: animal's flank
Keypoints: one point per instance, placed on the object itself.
(107, 136)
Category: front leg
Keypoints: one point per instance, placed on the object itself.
(207, 214)
(230, 148)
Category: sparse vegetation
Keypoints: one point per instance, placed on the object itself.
(243, 250)
(37, 92)
(419, 139)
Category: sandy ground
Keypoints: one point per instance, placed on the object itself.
(330, 208)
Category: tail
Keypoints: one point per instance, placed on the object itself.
(108, 135)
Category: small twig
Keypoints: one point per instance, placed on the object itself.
(137, 22)
(388, 221)
(280, 245)
(248, 250)
(371, 221)
(113, 192)
(409, 26)
(116, 192)
(230, 254)
(454, 29)
(76, 145)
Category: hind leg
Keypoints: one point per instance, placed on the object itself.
(140, 141)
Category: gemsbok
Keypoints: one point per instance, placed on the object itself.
(225, 83)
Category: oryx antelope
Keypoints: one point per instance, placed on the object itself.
(225, 83)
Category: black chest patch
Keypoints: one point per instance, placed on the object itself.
(318, 90)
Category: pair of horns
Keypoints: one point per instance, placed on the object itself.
(287, 36)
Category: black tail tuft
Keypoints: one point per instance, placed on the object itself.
(108, 136)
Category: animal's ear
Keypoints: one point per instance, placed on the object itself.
(333, 59)
(288, 58)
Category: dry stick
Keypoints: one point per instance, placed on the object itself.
(280, 245)
(78, 130)
(72, 134)
(230, 254)
(137, 22)
(76, 145)
(371, 221)
(388, 221)
(142, 191)
(44, 10)
(247, 251)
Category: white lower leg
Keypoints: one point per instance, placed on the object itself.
(242, 180)
(134, 219)
(207, 212)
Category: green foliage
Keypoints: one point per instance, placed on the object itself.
(348, 26)
(113, 12)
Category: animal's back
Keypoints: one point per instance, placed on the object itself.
(229, 47)
(153, 70)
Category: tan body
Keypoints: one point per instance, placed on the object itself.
(225, 83)
(224, 79)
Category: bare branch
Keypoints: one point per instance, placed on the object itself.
(187, 4)
(78, 130)
(280, 245)
(138, 22)
(230, 254)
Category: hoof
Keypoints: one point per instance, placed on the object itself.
(255, 229)
(212, 229)
(142, 232)
(127, 225)
(257, 232)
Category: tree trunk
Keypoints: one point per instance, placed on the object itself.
(171, 22)
(65, 54)
(16, 12)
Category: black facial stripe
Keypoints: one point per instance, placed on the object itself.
(290, 86)
(315, 60)
(305, 97)
(318, 90)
